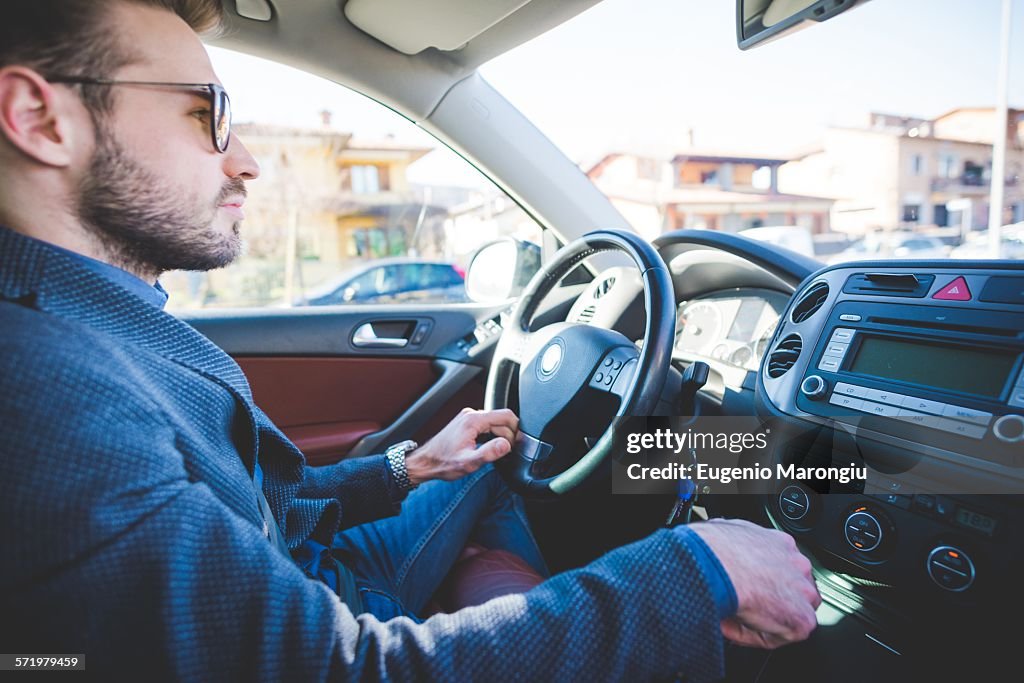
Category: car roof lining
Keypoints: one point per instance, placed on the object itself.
(317, 36)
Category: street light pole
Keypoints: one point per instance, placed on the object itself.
(995, 205)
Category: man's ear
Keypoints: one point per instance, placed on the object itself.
(35, 117)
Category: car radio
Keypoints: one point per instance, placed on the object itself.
(943, 376)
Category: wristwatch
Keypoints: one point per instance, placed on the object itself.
(396, 461)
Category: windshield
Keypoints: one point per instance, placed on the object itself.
(869, 136)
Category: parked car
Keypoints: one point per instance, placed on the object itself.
(976, 245)
(792, 237)
(392, 280)
(893, 245)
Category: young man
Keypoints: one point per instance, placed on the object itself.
(154, 519)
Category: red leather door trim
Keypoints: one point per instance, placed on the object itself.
(323, 444)
(325, 405)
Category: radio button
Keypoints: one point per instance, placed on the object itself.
(887, 397)
(880, 409)
(849, 402)
(842, 334)
(836, 349)
(923, 405)
(850, 390)
(961, 428)
(950, 568)
(850, 318)
(920, 419)
(1009, 428)
(967, 415)
(829, 364)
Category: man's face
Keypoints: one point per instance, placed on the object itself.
(157, 193)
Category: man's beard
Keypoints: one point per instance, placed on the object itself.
(146, 227)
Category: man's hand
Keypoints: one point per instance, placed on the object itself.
(454, 453)
(774, 586)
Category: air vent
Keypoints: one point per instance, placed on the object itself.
(810, 302)
(586, 315)
(784, 355)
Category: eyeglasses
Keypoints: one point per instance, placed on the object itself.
(220, 105)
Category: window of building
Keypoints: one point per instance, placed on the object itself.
(365, 179)
(911, 213)
(917, 164)
(947, 166)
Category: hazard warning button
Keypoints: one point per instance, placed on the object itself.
(954, 291)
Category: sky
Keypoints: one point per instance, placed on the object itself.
(644, 75)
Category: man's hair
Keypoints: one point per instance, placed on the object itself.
(74, 38)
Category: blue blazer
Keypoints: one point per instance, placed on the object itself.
(132, 534)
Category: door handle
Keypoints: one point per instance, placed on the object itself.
(366, 337)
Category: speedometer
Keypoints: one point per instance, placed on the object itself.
(700, 327)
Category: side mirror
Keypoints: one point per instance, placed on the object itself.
(501, 269)
(761, 21)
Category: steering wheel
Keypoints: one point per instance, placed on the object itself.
(566, 369)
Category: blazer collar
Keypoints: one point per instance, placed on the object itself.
(34, 273)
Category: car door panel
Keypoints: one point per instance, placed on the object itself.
(336, 398)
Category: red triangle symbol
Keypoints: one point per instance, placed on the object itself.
(954, 291)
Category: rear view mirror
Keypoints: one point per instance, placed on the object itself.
(760, 21)
(501, 269)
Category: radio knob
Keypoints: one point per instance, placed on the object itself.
(863, 531)
(1009, 428)
(950, 568)
(814, 387)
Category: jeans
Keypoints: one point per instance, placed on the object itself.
(399, 562)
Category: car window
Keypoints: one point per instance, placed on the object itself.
(345, 183)
(847, 150)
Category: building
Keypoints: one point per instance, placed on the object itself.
(902, 172)
(705, 190)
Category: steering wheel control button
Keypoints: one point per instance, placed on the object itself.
(950, 568)
(954, 291)
(1009, 428)
(610, 368)
(814, 387)
(863, 531)
(794, 503)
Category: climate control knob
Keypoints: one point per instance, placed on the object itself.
(1009, 428)
(814, 387)
(950, 568)
(863, 531)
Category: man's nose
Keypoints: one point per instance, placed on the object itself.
(238, 162)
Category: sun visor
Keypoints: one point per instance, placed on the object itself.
(411, 26)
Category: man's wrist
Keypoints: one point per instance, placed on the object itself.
(415, 465)
(720, 585)
(397, 457)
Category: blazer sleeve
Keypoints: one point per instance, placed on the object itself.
(364, 487)
(113, 549)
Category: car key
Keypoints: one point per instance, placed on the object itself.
(687, 491)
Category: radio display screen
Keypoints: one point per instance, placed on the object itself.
(962, 369)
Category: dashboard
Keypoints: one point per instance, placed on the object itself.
(731, 326)
(914, 370)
